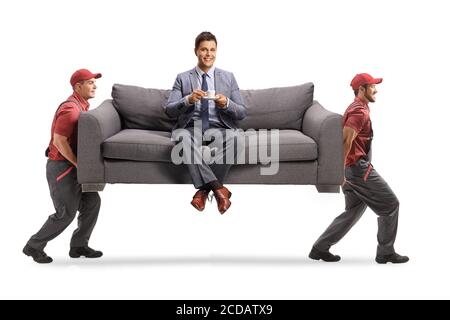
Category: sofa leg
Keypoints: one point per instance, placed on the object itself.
(328, 188)
(92, 187)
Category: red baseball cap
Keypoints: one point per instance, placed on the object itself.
(83, 74)
(362, 79)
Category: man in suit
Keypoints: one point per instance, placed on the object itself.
(190, 103)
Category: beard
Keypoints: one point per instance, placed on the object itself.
(370, 98)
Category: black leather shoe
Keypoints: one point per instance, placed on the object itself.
(38, 255)
(393, 258)
(326, 256)
(76, 252)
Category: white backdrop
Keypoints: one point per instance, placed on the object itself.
(156, 246)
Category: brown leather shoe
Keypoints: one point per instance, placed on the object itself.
(223, 196)
(199, 199)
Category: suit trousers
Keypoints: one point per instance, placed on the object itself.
(203, 173)
(67, 199)
(364, 188)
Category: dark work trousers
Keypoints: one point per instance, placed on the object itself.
(204, 173)
(67, 199)
(364, 188)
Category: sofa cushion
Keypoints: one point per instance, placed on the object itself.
(139, 145)
(141, 108)
(276, 108)
(293, 145)
(147, 145)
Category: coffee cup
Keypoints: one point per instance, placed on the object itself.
(211, 94)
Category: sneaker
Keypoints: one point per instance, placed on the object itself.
(326, 256)
(76, 252)
(38, 255)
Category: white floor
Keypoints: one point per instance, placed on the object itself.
(157, 247)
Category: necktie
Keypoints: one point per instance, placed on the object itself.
(205, 105)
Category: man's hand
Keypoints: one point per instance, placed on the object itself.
(221, 101)
(196, 95)
(62, 144)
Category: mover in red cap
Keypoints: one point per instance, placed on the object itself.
(62, 177)
(363, 186)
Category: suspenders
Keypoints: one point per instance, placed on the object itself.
(79, 108)
(369, 144)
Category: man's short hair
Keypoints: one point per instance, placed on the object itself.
(204, 36)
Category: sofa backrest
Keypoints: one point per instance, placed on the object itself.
(141, 108)
(275, 108)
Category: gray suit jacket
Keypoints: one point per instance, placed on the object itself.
(224, 82)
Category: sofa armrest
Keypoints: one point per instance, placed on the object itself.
(94, 127)
(325, 128)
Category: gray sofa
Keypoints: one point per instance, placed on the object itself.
(128, 140)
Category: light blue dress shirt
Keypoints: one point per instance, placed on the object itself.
(213, 113)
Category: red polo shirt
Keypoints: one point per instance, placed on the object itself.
(65, 123)
(357, 117)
